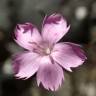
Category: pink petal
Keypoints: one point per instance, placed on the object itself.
(51, 76)
(25, 34)
(25, 64)
(54, 28)
(68, 55)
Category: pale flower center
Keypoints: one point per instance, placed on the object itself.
(47, 50)
(42, 49)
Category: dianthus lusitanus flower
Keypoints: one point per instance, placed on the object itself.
(44, 55)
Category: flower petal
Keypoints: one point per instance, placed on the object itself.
(54, 28)
(25, 64)
(68, 55)
(51, 76)
(25, 34)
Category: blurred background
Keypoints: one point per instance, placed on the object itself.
(81, 14)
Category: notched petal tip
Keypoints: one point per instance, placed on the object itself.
(68, 55)
(80, 53)
(50, 76)
(23, 66)
(69, 69)
(25, 33)
(68, 27)
(54, 18)
(26, 27)
(19, 77)
(55, 26)
(78, 49)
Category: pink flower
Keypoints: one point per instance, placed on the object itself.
(45, 56)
